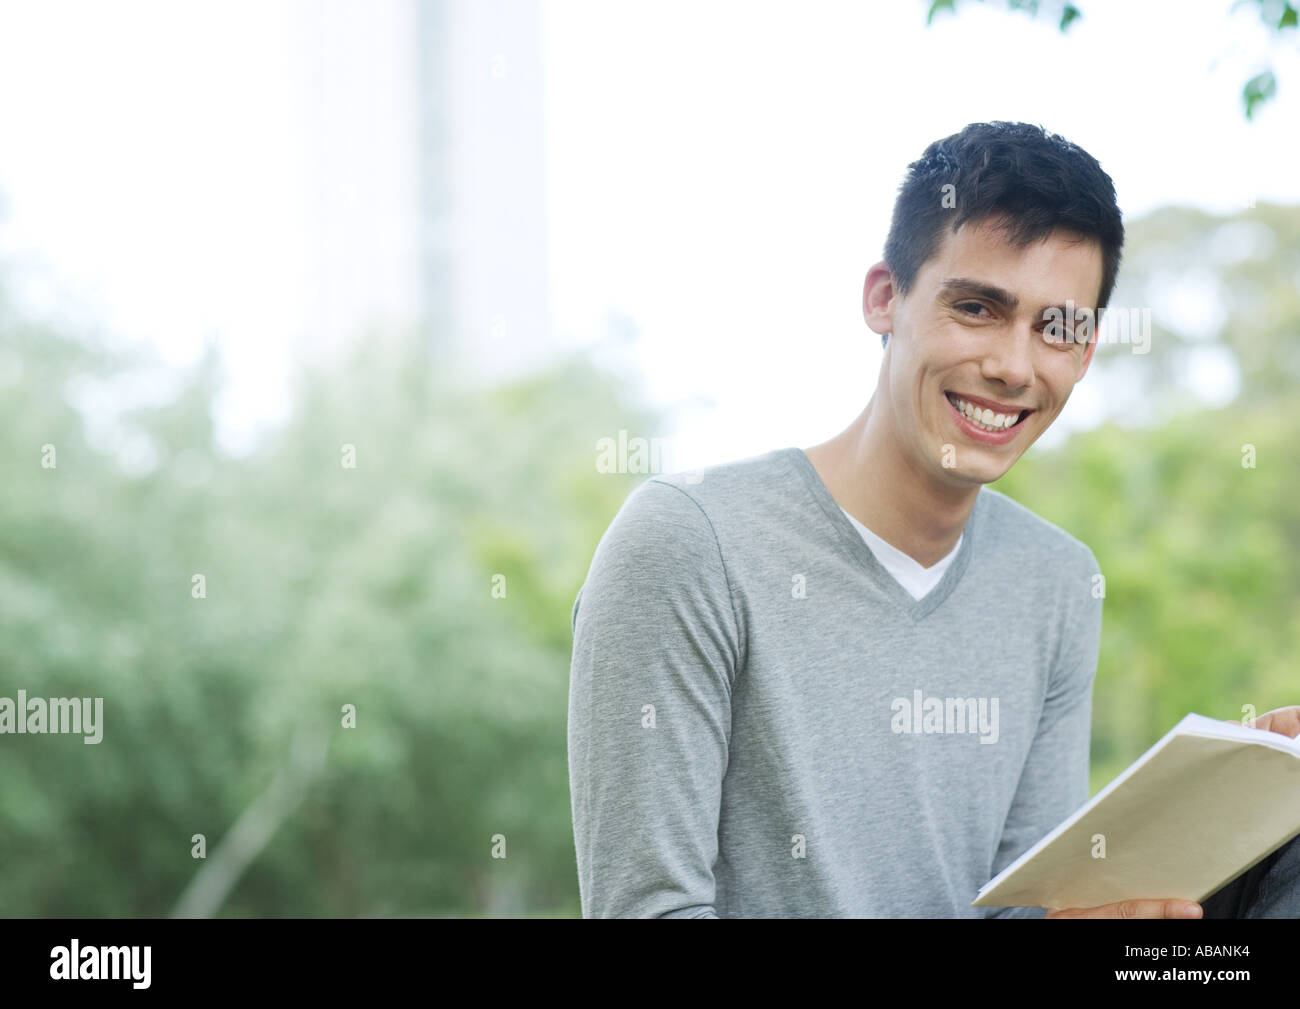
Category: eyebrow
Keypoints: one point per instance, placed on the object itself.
(998, 295)
(993, 293)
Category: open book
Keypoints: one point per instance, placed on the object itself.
(1196, 810)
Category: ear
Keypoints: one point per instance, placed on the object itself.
(879, 292)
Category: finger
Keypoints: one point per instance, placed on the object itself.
(1283, 720)
(1133, 909)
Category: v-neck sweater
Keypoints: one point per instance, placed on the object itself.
(902, 567)
(764, 723)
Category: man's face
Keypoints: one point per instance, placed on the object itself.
(975, 334)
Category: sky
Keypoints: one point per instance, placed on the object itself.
(718, 174)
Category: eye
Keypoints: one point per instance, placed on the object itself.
(966, 306)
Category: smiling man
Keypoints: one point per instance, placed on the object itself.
(853, 680)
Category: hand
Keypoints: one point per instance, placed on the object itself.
(1283, 720)
(1132, 909)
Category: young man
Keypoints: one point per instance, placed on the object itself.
(852, 681)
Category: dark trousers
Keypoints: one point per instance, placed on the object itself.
(1269, 890)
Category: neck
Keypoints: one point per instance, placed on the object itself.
(871, 477)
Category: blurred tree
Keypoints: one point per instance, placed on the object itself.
(1221, 290)
(325, 586)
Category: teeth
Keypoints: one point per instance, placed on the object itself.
(984, 418)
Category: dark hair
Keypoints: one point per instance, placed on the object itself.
(1033, 180)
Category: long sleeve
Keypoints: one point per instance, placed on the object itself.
(1054, 781)
(656, 646)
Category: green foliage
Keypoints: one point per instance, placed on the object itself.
(1211, 281)
(324, 586)
(1065, 14)
(1258, 90)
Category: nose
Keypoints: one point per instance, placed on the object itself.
(1010, 360)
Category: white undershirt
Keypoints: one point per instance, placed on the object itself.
(907, 571)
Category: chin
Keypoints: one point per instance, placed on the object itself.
(973, 479)
(968, 476)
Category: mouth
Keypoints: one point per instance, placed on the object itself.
(998, 422)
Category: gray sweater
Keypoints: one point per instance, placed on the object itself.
(763, 723)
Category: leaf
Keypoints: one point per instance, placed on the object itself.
(1257, 90)
(1069, 15)
(940, 5)
(1289, 18)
